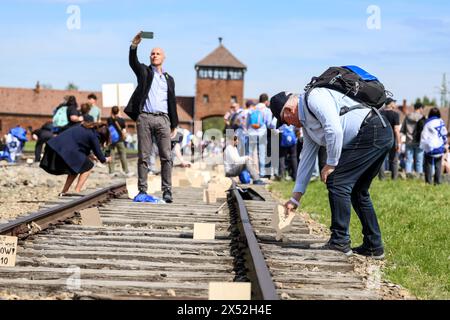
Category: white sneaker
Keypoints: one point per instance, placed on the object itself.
(129, 174)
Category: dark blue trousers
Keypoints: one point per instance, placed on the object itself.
(349, 184)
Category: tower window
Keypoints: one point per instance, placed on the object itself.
(233, 99)
(205, 99)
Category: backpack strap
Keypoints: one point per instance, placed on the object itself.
(346, 109)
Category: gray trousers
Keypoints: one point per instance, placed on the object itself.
(149, 125)
(238, 168)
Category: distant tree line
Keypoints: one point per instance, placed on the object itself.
(426, 101)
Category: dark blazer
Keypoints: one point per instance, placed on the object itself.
(75, 144)
(144, 75)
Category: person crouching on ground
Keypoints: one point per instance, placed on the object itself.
(234, 164)
(356, 145)
(70, 153)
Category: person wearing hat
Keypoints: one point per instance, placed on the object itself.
(356, 145)
(394, 119)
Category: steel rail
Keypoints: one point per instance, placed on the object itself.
(47, 217)
(259, 274)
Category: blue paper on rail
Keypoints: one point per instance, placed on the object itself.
(147, 198)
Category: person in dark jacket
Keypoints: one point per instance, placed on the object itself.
(70, 153)
(153, 106)
(42, 136)
(73, 113)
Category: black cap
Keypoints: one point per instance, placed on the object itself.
(276, 105)
(389, 101)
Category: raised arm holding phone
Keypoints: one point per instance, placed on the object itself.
(153, 107)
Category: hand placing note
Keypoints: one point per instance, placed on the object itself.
(282, 220)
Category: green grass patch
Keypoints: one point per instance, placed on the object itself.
(29, 146)
(415, 225)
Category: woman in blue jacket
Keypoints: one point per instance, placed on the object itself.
(70, 153)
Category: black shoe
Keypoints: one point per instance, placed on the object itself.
(345, 249)
(167, 196)
(377, 254)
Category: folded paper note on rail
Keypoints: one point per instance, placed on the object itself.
(280, 221)
(91, 217)
(132, 188)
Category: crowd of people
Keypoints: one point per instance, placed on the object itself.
(421, 148)
(250, 150)
(407, 155)
(328, 133)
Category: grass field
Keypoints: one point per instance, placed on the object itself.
(29, 146)
(415, 224)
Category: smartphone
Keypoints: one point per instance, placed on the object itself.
(146, 35)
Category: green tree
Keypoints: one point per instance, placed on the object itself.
(72, 86)
(434, 102)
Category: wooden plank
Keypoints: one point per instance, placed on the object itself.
(334, 266)
(182, 255)
(121, 264)
(141, 240)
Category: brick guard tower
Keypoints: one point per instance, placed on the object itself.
(220, 81)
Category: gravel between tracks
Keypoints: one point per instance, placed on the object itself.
(24, 188)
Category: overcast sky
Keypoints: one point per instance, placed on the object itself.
(283, 43)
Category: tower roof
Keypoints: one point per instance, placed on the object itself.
(221, 57)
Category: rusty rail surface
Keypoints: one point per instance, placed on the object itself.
(258, 271)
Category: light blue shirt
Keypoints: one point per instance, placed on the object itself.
(157, 96)
(329, 130)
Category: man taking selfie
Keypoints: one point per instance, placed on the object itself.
(153, 107)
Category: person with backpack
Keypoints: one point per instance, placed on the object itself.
(412, 128)
(258, 120)
(66, 115)
(433, 141)
(339, 110)
(69, 153)
(288, 149)
(117, 130)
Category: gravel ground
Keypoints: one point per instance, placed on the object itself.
(24, 188)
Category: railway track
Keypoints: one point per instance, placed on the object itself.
(147, 251)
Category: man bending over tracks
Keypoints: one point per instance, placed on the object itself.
(356, 144)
